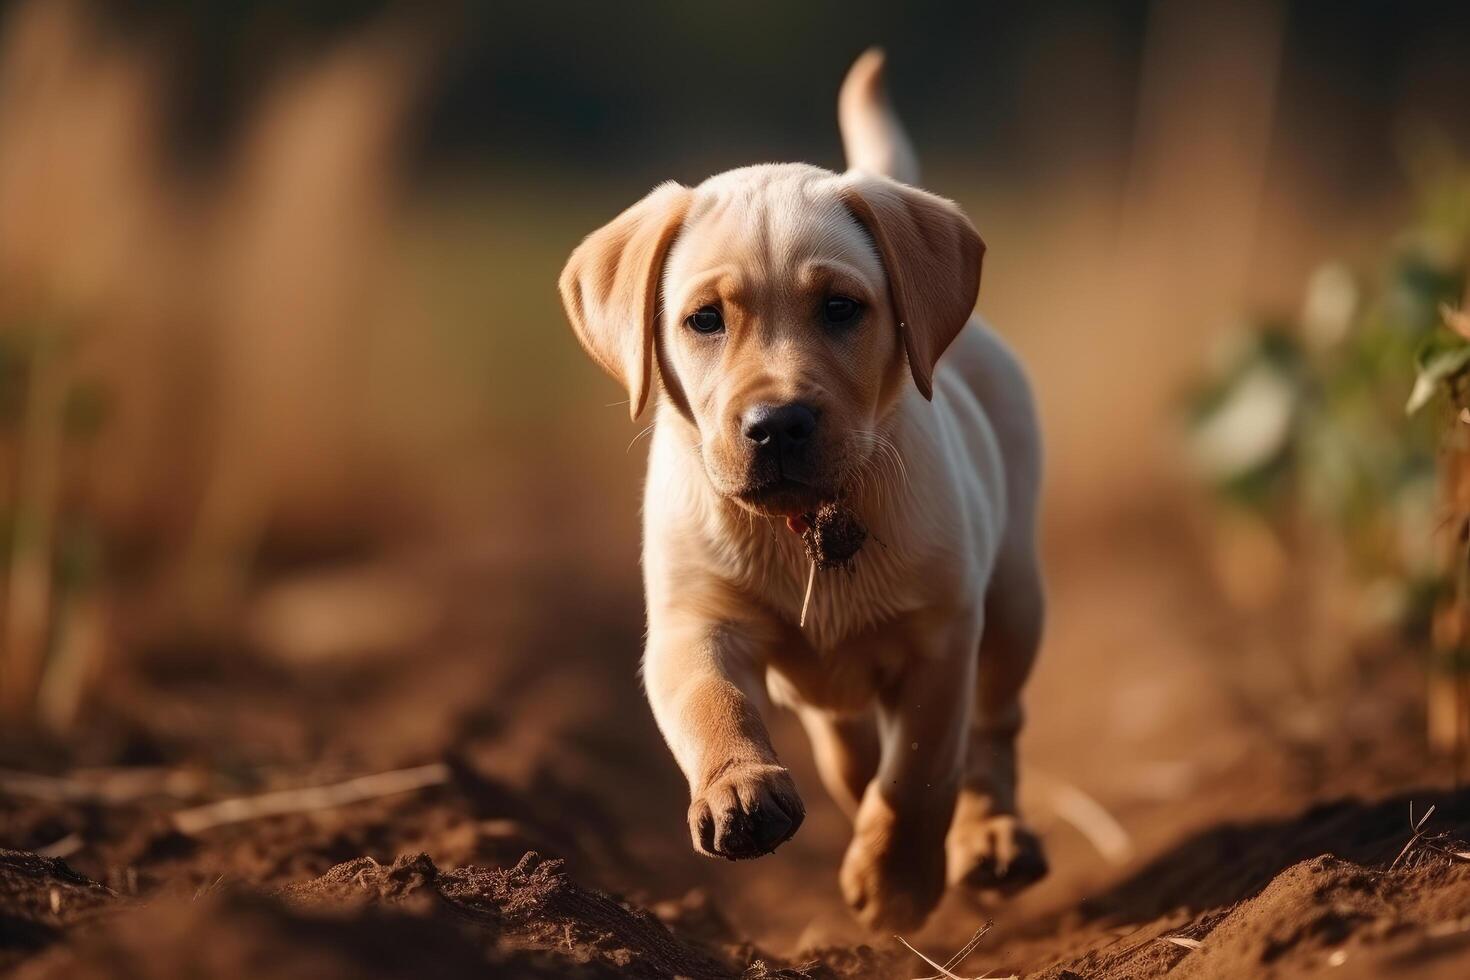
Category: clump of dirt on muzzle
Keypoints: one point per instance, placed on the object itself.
(833, 536)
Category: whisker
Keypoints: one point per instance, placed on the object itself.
(880, 468)
(645, 431)
(775, 536)
(894, 461)
(892, 448)
(897, 471)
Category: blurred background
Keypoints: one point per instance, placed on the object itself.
(302, 471)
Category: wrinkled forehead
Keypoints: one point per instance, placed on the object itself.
(769, 229)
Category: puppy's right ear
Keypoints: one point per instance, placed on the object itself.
(610, 287)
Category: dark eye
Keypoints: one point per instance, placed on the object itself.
(706, 319)
(839, 310)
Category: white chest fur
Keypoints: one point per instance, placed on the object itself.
(934, 520)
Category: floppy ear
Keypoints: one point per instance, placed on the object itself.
(932, 255)
(610, 287)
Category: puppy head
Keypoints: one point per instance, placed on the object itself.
(780, 304)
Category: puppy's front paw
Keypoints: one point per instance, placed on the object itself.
(747, 810)
(892, 880)
(996, 853)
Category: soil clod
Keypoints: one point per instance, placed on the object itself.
(833, 536)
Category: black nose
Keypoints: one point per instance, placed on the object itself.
(779, 426)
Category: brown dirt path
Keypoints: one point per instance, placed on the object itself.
(1270, 844)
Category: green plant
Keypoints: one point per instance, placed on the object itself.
(1300, 425)
(51, 564)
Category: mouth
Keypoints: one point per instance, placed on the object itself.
(783, 497)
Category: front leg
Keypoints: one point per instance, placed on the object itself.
(704, 680)
(893, 872)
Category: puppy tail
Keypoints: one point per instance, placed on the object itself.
(872, 136)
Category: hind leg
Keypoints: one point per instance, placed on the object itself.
(988, 847)
(846, 750)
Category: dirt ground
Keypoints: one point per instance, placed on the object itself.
(1201, 822)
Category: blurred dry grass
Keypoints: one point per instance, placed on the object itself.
(299, 354)
(229, 328)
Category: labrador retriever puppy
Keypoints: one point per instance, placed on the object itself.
(808, 338)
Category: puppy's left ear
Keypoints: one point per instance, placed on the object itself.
(610, 287)
(932, 255)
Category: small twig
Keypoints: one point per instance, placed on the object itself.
(806, 600)
(109, 787)
(1091, 819)
(1418, 832)
(1184, 941)
(199, 818)
(942, 971)
(208, 889)
(1456, 855)
(65, 847)
(954, 961)
(946, 970)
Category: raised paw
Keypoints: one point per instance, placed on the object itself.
(996, 853)
(748, 810)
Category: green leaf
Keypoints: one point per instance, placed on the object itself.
(1440, 359)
